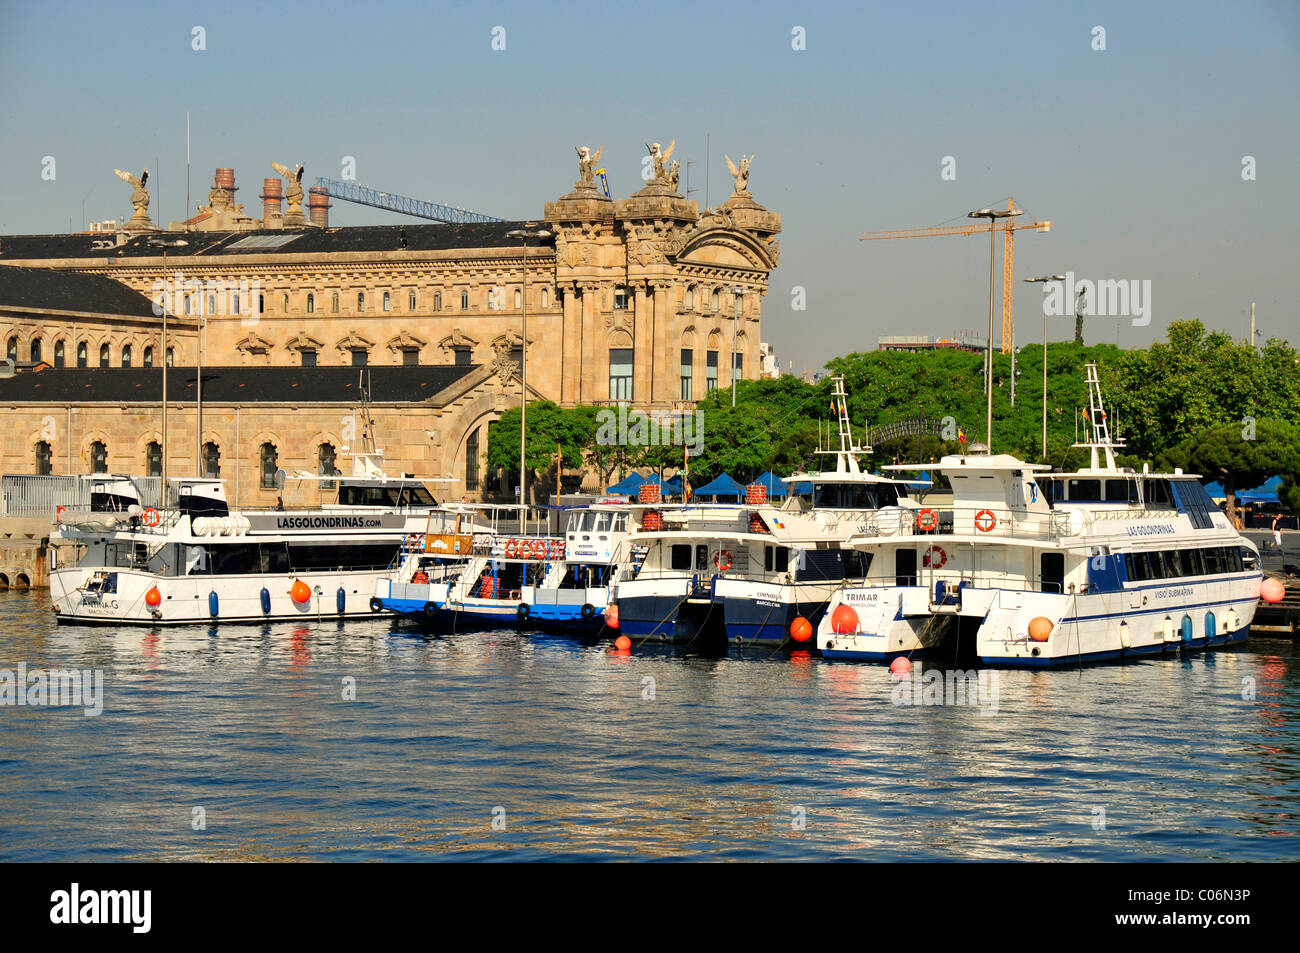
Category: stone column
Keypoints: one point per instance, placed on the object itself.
(591, 338)
(571, 364)
(667, 346)
(643, 354)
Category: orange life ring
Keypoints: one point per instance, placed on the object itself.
(152, 517)
(512, 545)
(927, 520)
(985, 521)
(935, 557)
(58, 514)
(535, 550)
(722, 559)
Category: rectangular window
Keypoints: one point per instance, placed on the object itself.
(308, 357)
(688, 361)
(360, 357)
(738, 365)
(711, 372)
(681, 556)
(620, 373)
(471, 461)
(410, 357)
(462, 357)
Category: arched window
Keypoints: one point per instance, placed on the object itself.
(325, 464)
(212, 305)
(519, 299)
(334, 303)
(44, 458)
(361, 301)
(11, 350)
(546, 297)
(171, 356)
(98, 457)
(437, 301)
(471, 461)
(464, 301)
(36, 351)
(153, 459)
(688, 299)
(235, 301)
(59, 358)
(188, 298)
(410, 301)
(148, 356)
(211, 460)
(311, 303)
(126, 355)
(388, 302)
(269, 465)
(261, 304)
(285, 301)
(620, 298)
(717, 300)
(81, 354)
(103, 355)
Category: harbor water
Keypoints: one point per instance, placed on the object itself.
(370, 741)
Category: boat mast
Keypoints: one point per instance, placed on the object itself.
(1097, 426)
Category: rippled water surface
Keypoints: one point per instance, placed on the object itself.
(575, 753)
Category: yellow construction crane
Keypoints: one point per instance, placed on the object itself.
(1008, 229)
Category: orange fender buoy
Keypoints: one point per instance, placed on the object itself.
(844, 620)
(801, 629)
(300, 592)
(153, 598)
(1272, 590)
(1040, 628)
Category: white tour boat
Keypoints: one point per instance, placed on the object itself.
(1035, 569)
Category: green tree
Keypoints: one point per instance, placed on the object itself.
(1239, 457)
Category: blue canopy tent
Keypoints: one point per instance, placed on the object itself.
(1266, 492)
(722, 486)
(628, 486)
(775, 488)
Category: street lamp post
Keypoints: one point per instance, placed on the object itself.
(1045, 278)
(992, 215)
(530, 231)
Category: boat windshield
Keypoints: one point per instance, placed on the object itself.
(388, 495)
(856, 496)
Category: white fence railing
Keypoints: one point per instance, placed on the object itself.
(25, 495)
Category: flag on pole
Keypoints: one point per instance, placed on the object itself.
(961, 436)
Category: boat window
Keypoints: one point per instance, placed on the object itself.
(702, 558)
(1212, 561)
(1198, 561)
(620, 523)
(856, 563)
(904, 567)
(1172, 565)
(1085, 490)
(767, 558)
(1235, 563)
(1186, 564)
(1141, 567)
(1157, 493)
(324, 556)
(681, 556)
(602, 522)
(1121, 491)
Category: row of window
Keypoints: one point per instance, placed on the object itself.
(494, 301)
(1176, 564)
(36, 354)
(268, 458)
(194, 304)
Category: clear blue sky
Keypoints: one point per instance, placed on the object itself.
(1134, 152)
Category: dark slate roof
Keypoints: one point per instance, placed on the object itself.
(419, 236)
(69, 291)
(232, 385)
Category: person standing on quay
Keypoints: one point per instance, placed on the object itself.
(1277, 532)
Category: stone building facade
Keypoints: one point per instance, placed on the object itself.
(644, 300)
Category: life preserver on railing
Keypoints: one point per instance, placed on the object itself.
(539, 549)
(512, 546)
(58, 514)
(722, 559)
(935, 557)
(555, 549)
(927, 520)
(985, 521)
(152, 517)
(410, 541)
